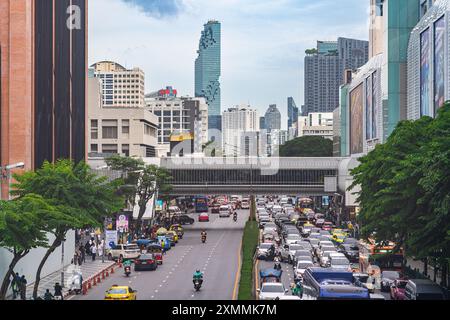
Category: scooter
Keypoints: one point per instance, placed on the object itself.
(127, 270)
(235, 218)
(197, 284)
(277, 265)
(203, 239)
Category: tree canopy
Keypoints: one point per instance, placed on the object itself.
(307, 146)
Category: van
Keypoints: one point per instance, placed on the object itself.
(423, 289)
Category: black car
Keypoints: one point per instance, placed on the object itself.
(145, 262)
(184, 219)
(351, 251)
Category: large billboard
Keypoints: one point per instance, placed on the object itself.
(439, 63)
(369, 109)
(356, 120)
(425, 51)
(375, 104)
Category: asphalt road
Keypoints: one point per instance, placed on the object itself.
(218, 259)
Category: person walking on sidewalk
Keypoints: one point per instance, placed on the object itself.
(58, 291)
(23, 288)
(15, 285)
(83, 253)
(94, 251)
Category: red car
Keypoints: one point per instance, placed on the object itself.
(327, 226)
(398, 289)
(203, 217)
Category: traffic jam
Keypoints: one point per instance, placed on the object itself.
(303, 256)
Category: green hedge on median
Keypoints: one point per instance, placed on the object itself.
(249, 244)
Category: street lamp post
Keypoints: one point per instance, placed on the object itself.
(62, 263)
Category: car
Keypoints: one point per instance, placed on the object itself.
(362, 280)
(123, 252)
(245, 205)
(350, 251)
(327, 226)
(263, 249)
(120, 293)
(340, 263)
(292, 238)
(203, 217)
(387, 279)
(215, 208)
(338, 238)
(224, 212)
(173, 237)
(276, 209)
(303, 254)
(288, 252)
(145, 262)
(423, 289)
(271, 291)
(263, 221)
(351, 241)
(301, 267)
(185, 219)
(398, 289)
(320, 222)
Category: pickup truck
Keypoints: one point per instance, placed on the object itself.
(124, 252)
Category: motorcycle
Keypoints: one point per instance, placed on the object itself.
(203, 239)
(235, 218)
(197, 284)
(127, 270)
(277, 265)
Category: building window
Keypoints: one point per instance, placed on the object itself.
(148, 130)
(126, 150)
(125, 126)
(94, 129)
(94, 148)
(109, 129)
(109, 148)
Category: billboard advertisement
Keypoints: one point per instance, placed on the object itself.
(356, 120)
(425, 73)
(439, 64)
(374, 105)
(369, 109)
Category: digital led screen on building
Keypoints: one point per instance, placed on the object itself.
(425, 47)
(369, 110)
(439, 63)
(356, 120)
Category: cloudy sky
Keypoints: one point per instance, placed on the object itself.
(263, 41)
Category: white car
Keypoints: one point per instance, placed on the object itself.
(341, 263)
(301, 267)
(271, 291)
(293, 238)
(224, 211)
(245, 205)
(276, 209)
(123, 251)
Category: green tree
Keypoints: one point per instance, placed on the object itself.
(141, 181)
(21, 230)
(80, 198)
(307, 146)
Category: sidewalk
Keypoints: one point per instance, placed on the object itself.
(88, 269)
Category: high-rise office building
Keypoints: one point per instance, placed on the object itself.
(208, 71)
(292, 113)
(43, 81)
(178, 115)
(272, 118)
(324, 71)
(236, 122)
(120, 87)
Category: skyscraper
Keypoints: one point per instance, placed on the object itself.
(292, 113)
(208, 71)
(43, 81)
(238, 123)
(324, 71)
(273, 118)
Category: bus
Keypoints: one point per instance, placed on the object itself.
(201, 204)
(382, 256)
(304, 203)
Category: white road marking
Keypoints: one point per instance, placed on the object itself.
(156, 290)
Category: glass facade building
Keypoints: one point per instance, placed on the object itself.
(208, 71)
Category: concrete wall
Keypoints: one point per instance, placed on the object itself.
(29, 264)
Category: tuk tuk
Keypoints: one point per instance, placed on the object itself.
(143, 243)
(156, 250)
(178, 229)
(270, 275)
(161, 232)
(172, 235)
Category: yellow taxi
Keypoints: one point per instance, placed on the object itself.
(338, 237)
(120, 293)
(339, 232)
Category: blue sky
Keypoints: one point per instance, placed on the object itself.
(263, 41)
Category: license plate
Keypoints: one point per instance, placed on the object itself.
(143, 262)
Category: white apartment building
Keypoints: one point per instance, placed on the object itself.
(121, 88)
(235, 122)
(119, 130)
(316, 124)
(178, 115)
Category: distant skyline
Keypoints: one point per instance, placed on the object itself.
(263, 42)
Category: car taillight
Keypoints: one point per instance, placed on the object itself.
(151, 261)
(137, 261)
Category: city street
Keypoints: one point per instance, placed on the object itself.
(218, 259)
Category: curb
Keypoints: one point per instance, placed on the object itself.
(94, 279)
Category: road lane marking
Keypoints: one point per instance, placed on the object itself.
(236, 280)
(256, 279)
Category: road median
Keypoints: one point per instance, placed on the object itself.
(249, 244)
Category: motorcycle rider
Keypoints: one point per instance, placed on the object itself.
(235, 215)
(127, 264)
(48, 295)
(203, 235)
(198, 275)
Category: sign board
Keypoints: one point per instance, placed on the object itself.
(110, 237)
(159, 205)
(122, 223)
(330, 184)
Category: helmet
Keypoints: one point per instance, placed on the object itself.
(198, 271)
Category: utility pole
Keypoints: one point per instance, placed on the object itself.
(62, 263)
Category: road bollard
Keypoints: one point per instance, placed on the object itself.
(103, 275)
(112, 270)
(85, 288)
(95, 281)
(89, 284)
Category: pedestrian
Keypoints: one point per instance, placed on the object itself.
(23, 288)
(163, 246)
(94, 251)
(82, 253)
(58, 291)
(100, 249)
(15, 285)
(48, 295)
